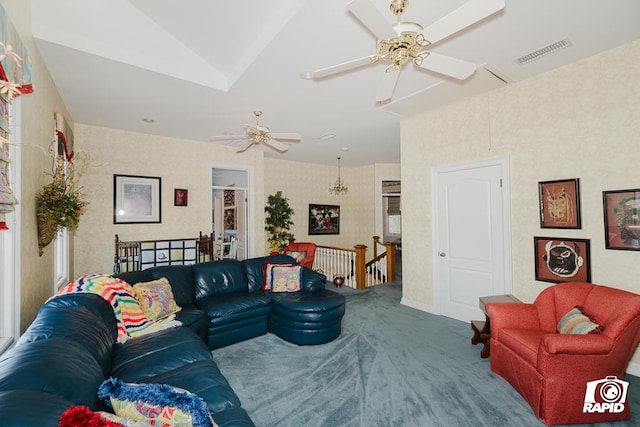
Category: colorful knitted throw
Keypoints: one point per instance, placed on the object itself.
(130, 319)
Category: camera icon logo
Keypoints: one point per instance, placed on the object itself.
(608, 394)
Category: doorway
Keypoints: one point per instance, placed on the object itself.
(230, 211)
(472, 236)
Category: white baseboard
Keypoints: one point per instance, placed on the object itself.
(419, 306)
(632, 369)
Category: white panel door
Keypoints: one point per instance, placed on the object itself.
(470, 238)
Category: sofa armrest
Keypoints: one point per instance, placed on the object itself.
(513, 316)
(590, 344)
(312, 280)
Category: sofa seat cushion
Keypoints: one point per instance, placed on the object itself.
(234, 417)
(157, 353)
(230, 308)
(195, 319)
(18, 409)
(204, 379)
(305, 306)
(523, 342)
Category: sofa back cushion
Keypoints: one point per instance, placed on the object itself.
(255, 269)
(226, 276)
(76, 325)
(180, 278)
(58, 366)
(133, 277)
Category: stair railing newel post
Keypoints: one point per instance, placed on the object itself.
(361, 261)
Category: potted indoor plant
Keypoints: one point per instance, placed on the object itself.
(278, 222)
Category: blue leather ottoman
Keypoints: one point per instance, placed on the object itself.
(307, 318)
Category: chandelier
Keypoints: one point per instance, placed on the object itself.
(339, 187)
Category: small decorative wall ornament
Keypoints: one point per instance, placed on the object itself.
(180, 197)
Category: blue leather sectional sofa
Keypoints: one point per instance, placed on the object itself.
(70, 348)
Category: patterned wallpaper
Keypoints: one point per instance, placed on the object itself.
(180, 164)
(578, 121)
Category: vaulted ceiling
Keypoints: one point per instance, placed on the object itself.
(198, 68)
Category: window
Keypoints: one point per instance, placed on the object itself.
(10, 241)
(392, 216)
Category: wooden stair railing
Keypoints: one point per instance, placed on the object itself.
(352, 264)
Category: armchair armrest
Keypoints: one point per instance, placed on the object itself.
(591, 344)
(513, 316)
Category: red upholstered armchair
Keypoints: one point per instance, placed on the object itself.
(551, 370)
(303, 252)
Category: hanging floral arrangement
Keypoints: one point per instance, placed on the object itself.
(59, 204)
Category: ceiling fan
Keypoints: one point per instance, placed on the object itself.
(402, 42)
(258, 134)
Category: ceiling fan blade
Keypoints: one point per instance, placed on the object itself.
(278, 146)
(346, 66)
(464, 16)
(226, 137)
(371, 17)
(453, 67)
(244, 147)
(293, 137)
(388, 85)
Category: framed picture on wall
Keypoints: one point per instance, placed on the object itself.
(180, 197)
(622, 219)
(559, 203)
(324, 219)
(136, 199)
(560, 259)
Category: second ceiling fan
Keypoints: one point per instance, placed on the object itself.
(402, 42)
(259, 134)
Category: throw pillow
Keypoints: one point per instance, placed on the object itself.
(156, 298)
(285, 278)
(297, 255)
(82, 416)
(160, 405)
(577, 322)
(268, 266)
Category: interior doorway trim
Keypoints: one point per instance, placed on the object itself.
(503, 162)
(251, 227)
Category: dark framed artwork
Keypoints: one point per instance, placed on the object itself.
(180, 197)
(136, 199)
(560, 259)
(229, 198)
(230, 219)
(622, 219)
(324, 219)
(559, 203)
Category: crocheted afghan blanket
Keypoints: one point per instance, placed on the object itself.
(131, 320)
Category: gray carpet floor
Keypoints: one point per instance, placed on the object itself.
(391, 366)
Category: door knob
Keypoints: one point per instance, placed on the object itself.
(442, 254)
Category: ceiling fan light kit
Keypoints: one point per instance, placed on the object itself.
(258, 134)
(402, 42)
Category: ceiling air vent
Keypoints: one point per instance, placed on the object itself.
(553, 47)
